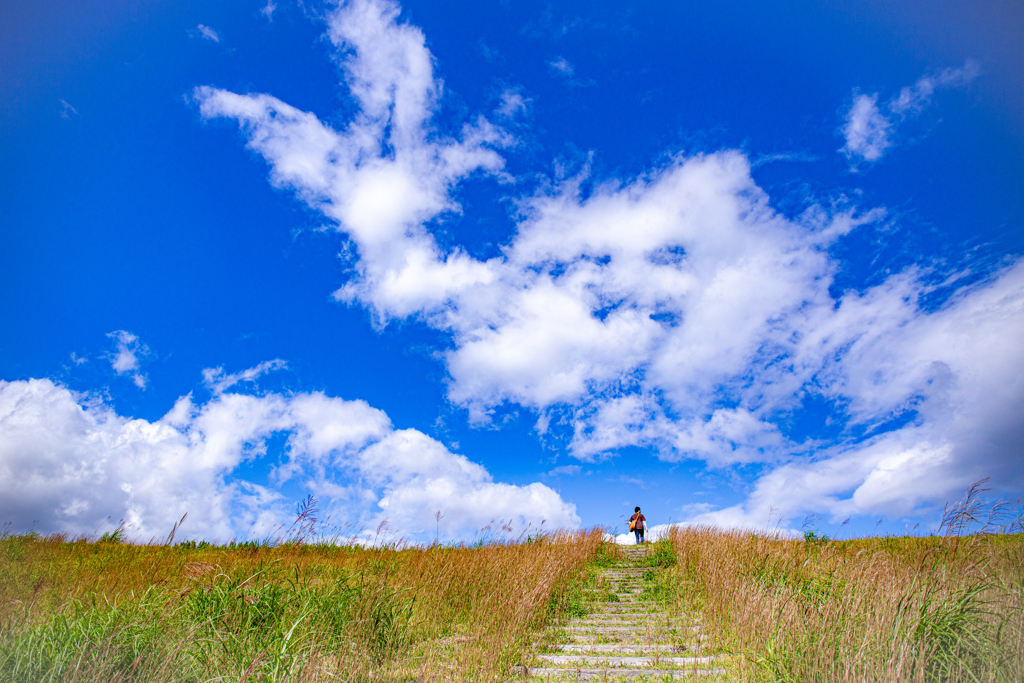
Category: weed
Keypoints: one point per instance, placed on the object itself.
(947, 608)
(194, 612)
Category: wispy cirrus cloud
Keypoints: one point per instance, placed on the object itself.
(218, 381)
(868, 131)
(675, 310)
(208, 33)
(66, 110)
(564, 69)
(562, 66)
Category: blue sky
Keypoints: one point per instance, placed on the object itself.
(740, 263)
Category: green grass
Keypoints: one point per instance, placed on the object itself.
(939, 609)
(116, 612)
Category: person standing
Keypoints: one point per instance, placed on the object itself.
(638, 525)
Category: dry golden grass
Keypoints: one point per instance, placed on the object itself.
(105, 611)
(884, 609)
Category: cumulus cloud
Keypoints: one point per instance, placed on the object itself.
(654, 533)
(70, 463)
(957, 377)
(868, 131)
(208, 33)
(125, 360)
(387, 173)
(676, 310)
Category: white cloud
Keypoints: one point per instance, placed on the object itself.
(208, 33)
(960, 369)
(868, 132)
(913, 99)
(66, 110)
(268, 10)
(512, 103)
(563, 68)
(676, 310)
(654, 533)
(126, 358)
(70, 463)
(561, 65)
(218, 381)
(384, 176)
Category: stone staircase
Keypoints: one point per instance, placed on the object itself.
(624, 638)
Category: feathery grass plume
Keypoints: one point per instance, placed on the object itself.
(91, 612)
(939, 608)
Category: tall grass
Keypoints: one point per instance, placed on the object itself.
(107, 611)
(941, 608)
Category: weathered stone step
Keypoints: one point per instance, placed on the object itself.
(624, 647)
(622, 629)
(631, 662)
(634, 611)
(612, 639)
(630, 638)
(624, 618)
(551, 673)
(639, 616)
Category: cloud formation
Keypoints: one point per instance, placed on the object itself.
(868, 132)
(208, 33)
(218, 381)
(676, 310)
(66, 110)
(126, 358)
(561, 66)
(70, 463)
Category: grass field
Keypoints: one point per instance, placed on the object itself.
(939, 608)
(103, 611)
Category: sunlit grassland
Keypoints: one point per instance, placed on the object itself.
(940, 608)
(104, 611)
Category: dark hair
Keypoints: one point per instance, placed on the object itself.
(637, 509)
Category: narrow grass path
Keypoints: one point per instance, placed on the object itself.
(625, 636)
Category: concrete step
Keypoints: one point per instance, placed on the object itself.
(605, 674)
(583, 648)
(639, 621)
(632, 639)
(623, 618)
(623, 629)
(630, 662)
(640, 616)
